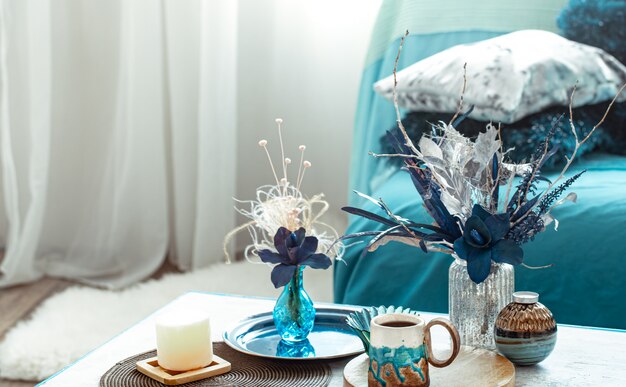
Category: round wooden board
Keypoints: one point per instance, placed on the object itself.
(473, 367)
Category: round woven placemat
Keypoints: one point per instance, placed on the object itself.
(246, 371)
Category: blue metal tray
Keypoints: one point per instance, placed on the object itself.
(331, 337)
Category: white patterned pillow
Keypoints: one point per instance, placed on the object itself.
(509, 77)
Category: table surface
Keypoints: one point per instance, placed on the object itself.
(582, 357)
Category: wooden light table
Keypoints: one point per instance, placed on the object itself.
(582, 357)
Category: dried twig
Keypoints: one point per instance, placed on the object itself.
(535, 170)
(578, 143)
(603, 117)
(508, 188)
(459, 110)
(441, 247)
(496, 183)
(539, 162)
(409, 143)
(537, 267)
(393, 155)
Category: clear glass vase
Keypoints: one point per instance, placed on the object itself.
(294, 313)
(474, 307)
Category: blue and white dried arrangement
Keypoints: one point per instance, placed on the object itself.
(459, 181)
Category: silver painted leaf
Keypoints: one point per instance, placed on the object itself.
(429, 148)
(485, 146)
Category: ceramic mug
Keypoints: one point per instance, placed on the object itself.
(400, 350)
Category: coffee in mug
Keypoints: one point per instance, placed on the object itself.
(400, 350)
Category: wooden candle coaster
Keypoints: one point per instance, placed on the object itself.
(150, 367)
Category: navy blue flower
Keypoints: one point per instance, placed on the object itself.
(293, 249)
(483, 241)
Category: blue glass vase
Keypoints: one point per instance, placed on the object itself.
(295, 350)
(294, 313)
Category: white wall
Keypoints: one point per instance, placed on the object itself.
(301, 61)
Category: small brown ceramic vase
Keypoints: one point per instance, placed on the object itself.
(525, 330)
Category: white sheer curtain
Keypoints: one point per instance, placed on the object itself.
(117, 136)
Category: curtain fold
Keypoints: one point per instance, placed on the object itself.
(217, 97)
(25, 139)
(203, 167)
(117, 137)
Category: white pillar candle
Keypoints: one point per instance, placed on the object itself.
(184, 341)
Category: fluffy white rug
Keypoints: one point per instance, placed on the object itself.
(73, 322)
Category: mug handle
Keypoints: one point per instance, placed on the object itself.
(454, 335)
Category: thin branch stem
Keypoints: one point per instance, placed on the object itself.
(445, 243)
(605, 113)
(282, 148)
(271, 165)
(440, 250)
(537, 267)
(570, 159)
(300, 169)
(541, 160)
(460, 108)
(301, 178)
(279, 121)
(393, 155)
(409, 143)
(571, 117)
(532, 177)
(496, 183)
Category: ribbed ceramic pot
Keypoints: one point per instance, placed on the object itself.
(525, 330)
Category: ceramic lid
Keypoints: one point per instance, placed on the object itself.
(525, 297)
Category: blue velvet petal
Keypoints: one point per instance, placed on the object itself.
(475, 223)
(507, 251)
(297, 237)
(280, 240)
(292, 253)
(282, 274)
(317, 261)
(293, 244)
(498, 225)
(268, 256)
(477, 238)
(475, 253)
(479, 265)
(309, 246)
(480, 212)
(461, 248)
